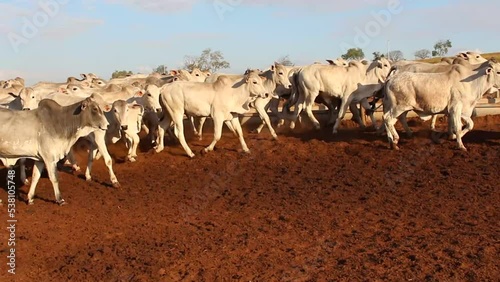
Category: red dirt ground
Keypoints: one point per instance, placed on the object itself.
(309, 207)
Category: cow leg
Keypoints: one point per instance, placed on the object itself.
(456, 116)
(404, 122)
(191, 119)
(217, 132)
(22, 171)
(162, 127)
(179, 130)
(35, 177)
(368, 108)
(237, 126)
(231, 128)
(71, 159)
(145, 128)
(52, 171)
(90, 160)
(356, 115)
(108, 161)
(433, 122)
(200, 127)
(390, 119)
(309, 106)
(132, 152)
(346, 101)
(261, 109)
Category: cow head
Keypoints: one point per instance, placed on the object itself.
(493, 75)
(151, 99)
(92, 115)
(119, 111)
(97, 83)
(28, 98)
(472, 57)
(198, 75)
(256, 86)
(383, 68)
(280, 74)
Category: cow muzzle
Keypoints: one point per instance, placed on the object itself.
(124, 127)
(265, 96)
(26, 109)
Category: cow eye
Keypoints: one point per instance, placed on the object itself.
(255, 82)
(32, 97)
(386, 65)
(150, 95)
(280, 73)
(498, 72)
(74, 89)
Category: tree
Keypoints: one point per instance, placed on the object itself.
(208, 61)
(160, 69)
(353, 54)
(441, 48)
(396, 55)
(377, 55)
(423, 54)
(285, 60)
(122, 73)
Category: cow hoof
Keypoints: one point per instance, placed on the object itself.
(275, 137)
(62, 202)
(247, 152)
(132, 160)
(116, 185)
(463, 149)
(76, 168)
(88, 179)
(395, 147)
(30, 203)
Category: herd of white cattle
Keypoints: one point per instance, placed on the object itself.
(44, 121)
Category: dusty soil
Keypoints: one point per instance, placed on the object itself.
(309, 207)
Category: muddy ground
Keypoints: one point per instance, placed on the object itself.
(309, 207)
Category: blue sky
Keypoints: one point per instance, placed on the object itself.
(103, 36)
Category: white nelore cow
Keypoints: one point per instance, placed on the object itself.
(455, 93)
(337, 82)
(472, 57)
(124, 122)
(222, 100)
(275, 78)
(46, 135)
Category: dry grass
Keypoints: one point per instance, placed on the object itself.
(485, 55)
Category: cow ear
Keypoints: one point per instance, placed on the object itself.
(13, 94)
(85, 104)
(330, 62)
(489, 71)
(173, 72)
(140, 93)
(85, 84)
(273, 67)
(84, 76)
(107, 108)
